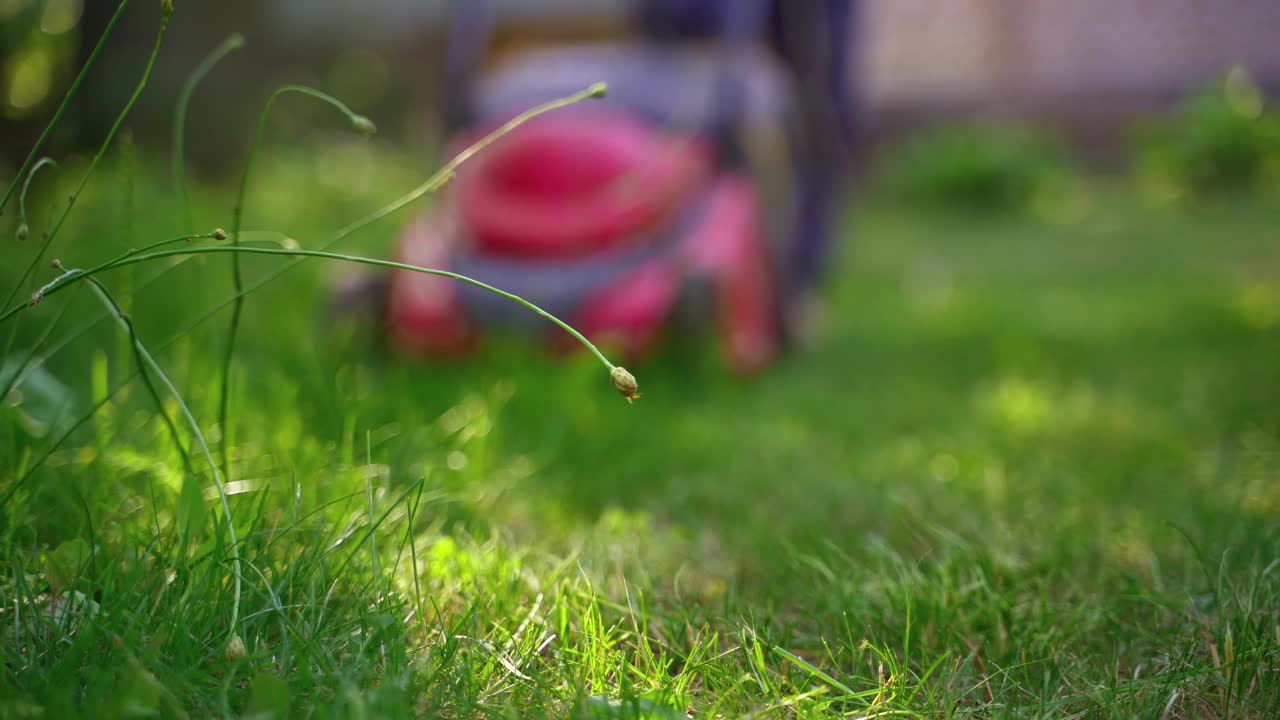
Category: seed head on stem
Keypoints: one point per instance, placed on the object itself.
(625, 383)
(235, 649)
(364, 126)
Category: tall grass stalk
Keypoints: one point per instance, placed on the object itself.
(358, 122)
(115, 128)
(29, 172)
(141, 358)
(147, 365)
(178, 167)
(23, 230)
(70, 277)
(150, 363)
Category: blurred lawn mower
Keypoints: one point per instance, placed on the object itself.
(698, 196)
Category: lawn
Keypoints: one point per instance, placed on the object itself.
(1028, 469)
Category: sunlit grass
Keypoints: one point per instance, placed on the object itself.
(1031, 470)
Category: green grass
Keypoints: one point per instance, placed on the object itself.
(1030, 470)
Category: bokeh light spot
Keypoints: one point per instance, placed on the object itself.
(60, 16)
(30, 79)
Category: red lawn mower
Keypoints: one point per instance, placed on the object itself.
(697, 194)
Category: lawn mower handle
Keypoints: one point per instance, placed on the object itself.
(737, 26)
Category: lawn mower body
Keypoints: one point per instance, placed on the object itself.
(676, 202)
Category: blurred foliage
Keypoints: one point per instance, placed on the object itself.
(38, 44)
(1223, 139)
(973, 167)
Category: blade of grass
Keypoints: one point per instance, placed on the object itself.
(368, 486)
(814, 670)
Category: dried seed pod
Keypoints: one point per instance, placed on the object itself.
(236, 649)
(625, 383)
